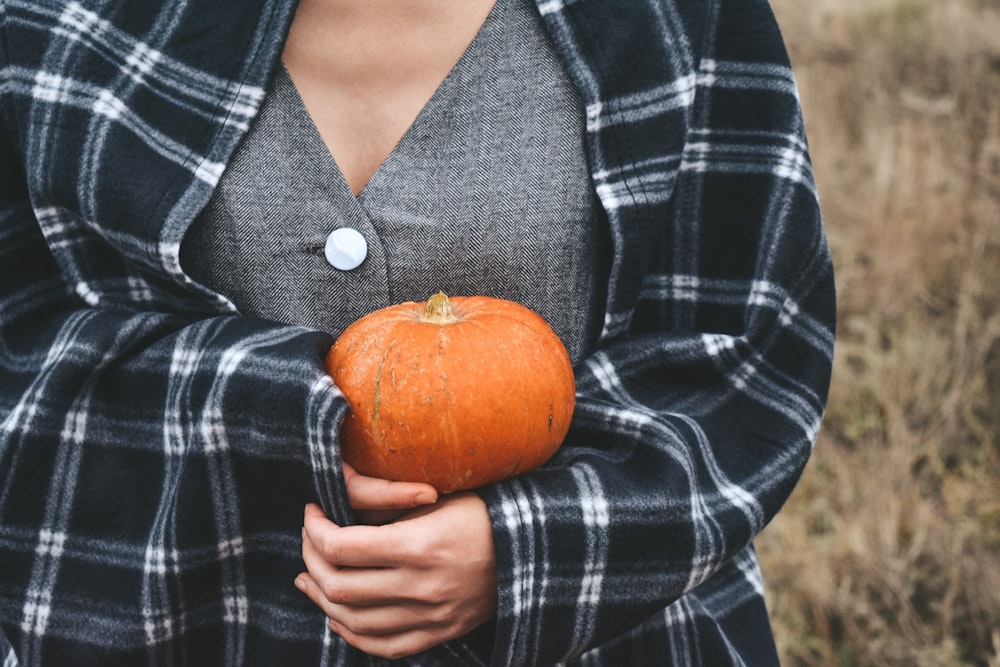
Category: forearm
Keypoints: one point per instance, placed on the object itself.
(154, 463)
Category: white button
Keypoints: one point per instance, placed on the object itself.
(345, 248)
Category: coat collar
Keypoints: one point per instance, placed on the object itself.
(633, 64)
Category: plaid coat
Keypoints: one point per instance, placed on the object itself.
(157, 447)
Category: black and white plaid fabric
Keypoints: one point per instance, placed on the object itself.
(157, 448)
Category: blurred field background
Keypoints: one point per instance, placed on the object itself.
(888, 552)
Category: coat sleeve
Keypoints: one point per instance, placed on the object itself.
(154, 465)
(692, 426)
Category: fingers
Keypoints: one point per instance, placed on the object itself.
(373, 493)
(354, 585)
(363, 615)
(362, 586)
(398, 589)
(390, 631)
(379, 610)
(393, 646)
(351, 546)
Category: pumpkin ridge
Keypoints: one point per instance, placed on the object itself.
(536, 327)
(377, 398)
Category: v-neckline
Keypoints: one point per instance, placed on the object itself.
(428, 107)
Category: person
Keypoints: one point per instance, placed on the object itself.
(196, 197)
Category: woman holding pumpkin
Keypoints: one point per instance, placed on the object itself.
(196, 198)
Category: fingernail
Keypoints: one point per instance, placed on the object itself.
(425, 498)
(300, 583)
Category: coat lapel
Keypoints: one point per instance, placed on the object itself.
(634, 66)
(130, 120)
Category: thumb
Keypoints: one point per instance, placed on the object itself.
(375, 493)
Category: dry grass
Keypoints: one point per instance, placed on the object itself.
(888, 553)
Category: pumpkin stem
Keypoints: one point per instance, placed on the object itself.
(438, 310)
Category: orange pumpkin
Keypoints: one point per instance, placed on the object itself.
(454, 392)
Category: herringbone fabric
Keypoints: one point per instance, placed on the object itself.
(157, 447)
(486, 193)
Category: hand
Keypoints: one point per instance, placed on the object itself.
(377, 501)
(399, 589)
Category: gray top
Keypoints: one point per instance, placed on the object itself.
(488, 192)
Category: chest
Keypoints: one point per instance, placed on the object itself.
(488, 192)
(365, 69)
